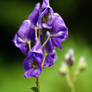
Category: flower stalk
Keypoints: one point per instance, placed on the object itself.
(45, 55)
(40, 32)
(29, 44)
(38, 84)
(35, 28)
(75, 75)
(70, 83)
(46, 41)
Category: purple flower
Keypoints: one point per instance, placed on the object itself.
(26, 31)
(50, 59)
(59, 31)
(33, 17)
(45, 18)
(32, 63)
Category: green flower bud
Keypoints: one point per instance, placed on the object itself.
(82, 64)
(63, 69)
(69, 57)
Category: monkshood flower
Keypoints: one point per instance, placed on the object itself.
(57, 37)
(26, 33)
(45, 18)
(33, 62)
(31, 33)
(69, 57)
(59, 31)
(50, 58)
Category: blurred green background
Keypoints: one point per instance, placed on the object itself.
(78, 17)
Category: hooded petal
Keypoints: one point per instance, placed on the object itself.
(45, 4)
(24, 34)
(19, 43)
(58, 24)
(61, 35)
(35, 14)
(50, 59)
(59, 30)
(45, 17)
(25, 29)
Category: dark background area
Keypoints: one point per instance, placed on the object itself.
(77, 15)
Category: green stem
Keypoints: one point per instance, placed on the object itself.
(38, 83)
(70, 83)
(45, 54)
(38, 79)
(35, 28)
(40, 32)
(72, 89)
(75, 75)
(29, 44)
(46, 41)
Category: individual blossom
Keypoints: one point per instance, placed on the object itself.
(26, 33)
(82, 64)
(45, 18)
(58, 36)
(69, 57)
(50, 58)
(59, 31)
(33, 62)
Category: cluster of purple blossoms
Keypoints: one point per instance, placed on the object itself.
(29, 38)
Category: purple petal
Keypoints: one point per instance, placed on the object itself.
(50, 59)
(32, 71)
(58, 23)
(49, 45)
(25, 33)
(47, 15)
(45, 4)
(19, 43)
(37, 48)
(61, 35)
(35, 14)
(57, 43)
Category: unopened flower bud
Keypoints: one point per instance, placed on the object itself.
(82, 64)
(63, 69)
(69, 57)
